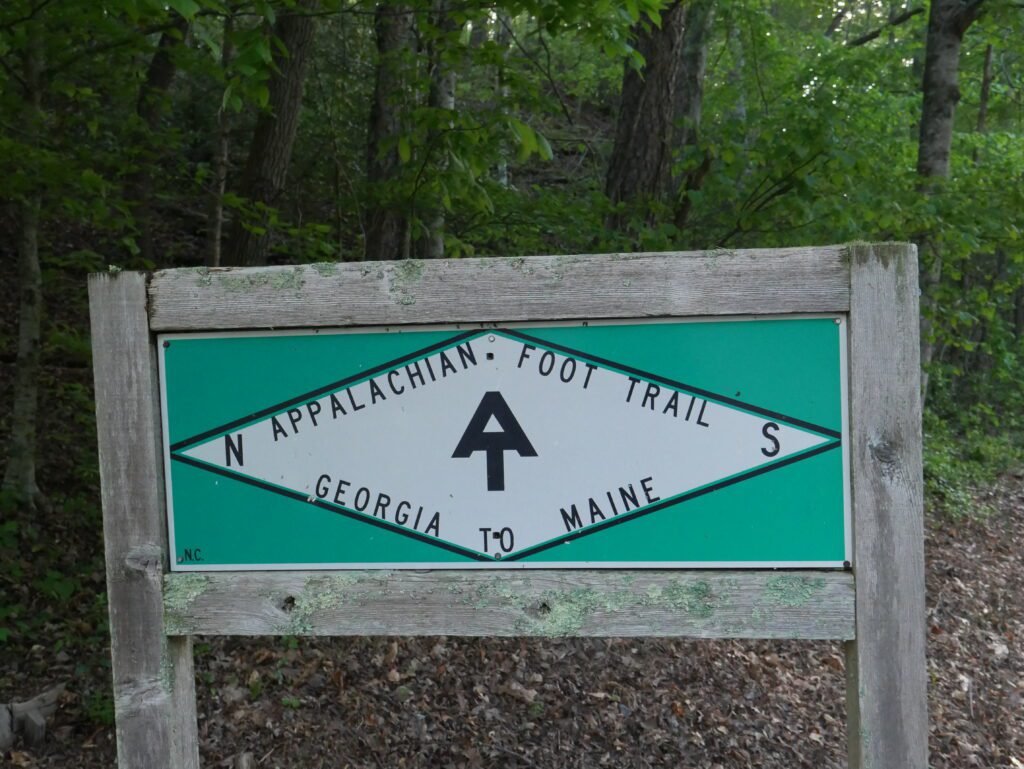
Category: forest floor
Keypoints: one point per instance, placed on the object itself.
(463, 703)
(537, 703)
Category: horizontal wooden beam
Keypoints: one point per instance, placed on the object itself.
(696, 604)
(767, 282)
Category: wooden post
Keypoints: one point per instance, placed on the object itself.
(876, 284)
(154, 691)
(886, 676)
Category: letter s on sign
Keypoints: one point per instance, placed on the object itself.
(766, 431)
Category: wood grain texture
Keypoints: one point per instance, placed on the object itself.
(184, 719)
(709, 604)
(153, 730)
(799, 280)
(886, 687)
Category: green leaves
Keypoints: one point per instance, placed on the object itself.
(529, 141)
(56, 585)
(186, 8)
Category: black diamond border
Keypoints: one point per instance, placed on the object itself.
(543, 343)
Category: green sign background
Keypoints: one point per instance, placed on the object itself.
(792, 515)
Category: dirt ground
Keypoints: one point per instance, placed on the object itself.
(466, 703)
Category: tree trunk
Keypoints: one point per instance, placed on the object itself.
(947, 23)
(20, 474)
(270, 152)
(478, 32)
(503, 37)
(973, 358)
(642, 153)
(215, 217)
(735, 77)
(386, 221)
(441, 97)
(690, 100)
(1018, 315)
(948, 20)
(987, 77)
(690, 89)
(149, 108)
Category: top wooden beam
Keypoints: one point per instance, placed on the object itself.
(722, 282)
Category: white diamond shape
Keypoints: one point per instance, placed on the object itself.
(610, 444)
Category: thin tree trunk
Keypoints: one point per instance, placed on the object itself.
(149, 108)
(837, 20)
(387, 223)
(503, 36)
(690, 100)
(441, 97)
(270, 152)
(1018, 315)
(948, 20)
(20, 474)
(478, 32)
(987, 77)
(735, 77)
(690, 90)
(641, 156)
(215, 217)
(973, 358)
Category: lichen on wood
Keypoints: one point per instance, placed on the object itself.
(180, 592)
(319, 594)
(241, 281)
(696, 599)
(404, 275)
(792, 589)
(325, 269)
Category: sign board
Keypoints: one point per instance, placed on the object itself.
(628, 444)
(733, 451)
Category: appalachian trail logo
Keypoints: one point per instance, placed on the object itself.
(496, 445)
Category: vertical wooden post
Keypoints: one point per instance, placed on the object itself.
(886, 674)
(154, 693)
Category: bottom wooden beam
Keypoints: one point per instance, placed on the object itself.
(696, 604)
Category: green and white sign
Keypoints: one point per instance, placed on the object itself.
(634, 444)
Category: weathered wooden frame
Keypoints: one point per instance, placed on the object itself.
(877, 608)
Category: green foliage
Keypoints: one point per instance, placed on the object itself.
(68, 344)
(56, 586)
(9, 608)
(99, 707)
(255, 687)
(803, 140)
(959, 462)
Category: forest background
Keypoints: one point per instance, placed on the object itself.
(143, 134)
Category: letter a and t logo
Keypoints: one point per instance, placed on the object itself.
(511, 438)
